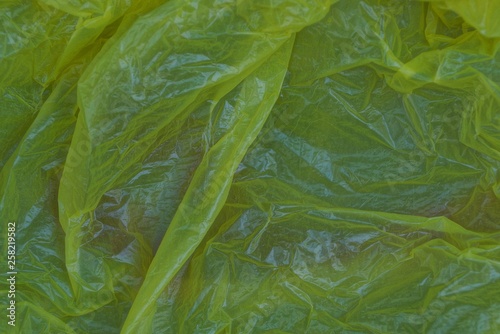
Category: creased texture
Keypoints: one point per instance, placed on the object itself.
(238, 166)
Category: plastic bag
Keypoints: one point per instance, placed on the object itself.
(264, 166)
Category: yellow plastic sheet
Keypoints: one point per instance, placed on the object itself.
(251, 166)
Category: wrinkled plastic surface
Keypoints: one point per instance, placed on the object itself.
(252, 166)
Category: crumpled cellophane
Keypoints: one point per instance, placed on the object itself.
(252, 166)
